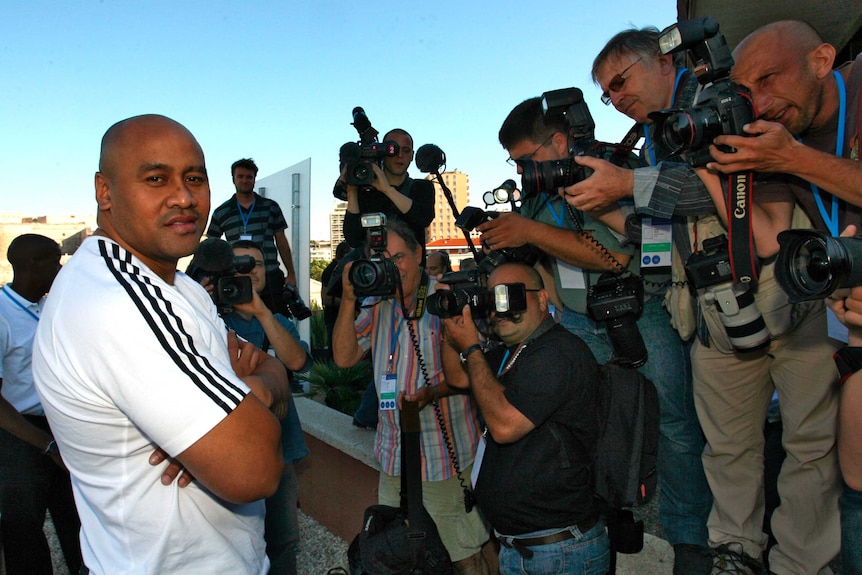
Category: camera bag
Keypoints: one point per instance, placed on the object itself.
(401, 540)
(626, 453)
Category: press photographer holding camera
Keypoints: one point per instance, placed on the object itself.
(409, 361)
(391, 190)
(244, 311)
(579, 264)
(733, 382)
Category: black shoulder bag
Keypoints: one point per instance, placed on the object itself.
(401, 540)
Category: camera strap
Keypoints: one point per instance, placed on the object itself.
(740, 241)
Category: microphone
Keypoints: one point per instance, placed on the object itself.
(429, 158)
(213, 256)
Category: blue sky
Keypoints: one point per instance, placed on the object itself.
(277, 81)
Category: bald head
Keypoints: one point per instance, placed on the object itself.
(794, 35)
(126, 132)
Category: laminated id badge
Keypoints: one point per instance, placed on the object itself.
(388, 391)
(656, 241)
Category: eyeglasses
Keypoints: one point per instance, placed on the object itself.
(617, 82)
(512, 162)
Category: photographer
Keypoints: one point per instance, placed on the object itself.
(394, 193)
(276, 335)
(537, 391)
(733, 388)
(808, 123)
(578, 263)
(396, 337)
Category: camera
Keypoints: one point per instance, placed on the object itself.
(469, 218)
(377, 275)
(293, 303)
(708, 271)
(812, 265)
(504, 299)
(617, 301)
(359, 157)
(214, 259)
(723, 107)
(548, 176)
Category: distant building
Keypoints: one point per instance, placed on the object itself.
(457, 249)
(319, 250)
(336, 223)
(443, 226)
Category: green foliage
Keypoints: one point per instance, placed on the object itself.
(316, 268)
(342, 388)
(317, 327)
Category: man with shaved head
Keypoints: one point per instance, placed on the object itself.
(141, 381)
(808, 126)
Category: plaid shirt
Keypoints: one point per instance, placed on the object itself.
(382, 328)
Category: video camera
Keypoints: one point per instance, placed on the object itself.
(359, 157)
(723, 107)
(214, 259)
(709, 272)
(375, 276)
(293, 303)
(548, 176)
(812, 265)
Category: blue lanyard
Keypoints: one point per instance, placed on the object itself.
(832, 222)
(647, 141)
(503, 363)
(558, 216)
(19, 304)
(396, 331)
(245, 218)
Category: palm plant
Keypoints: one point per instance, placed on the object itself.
(341, 387)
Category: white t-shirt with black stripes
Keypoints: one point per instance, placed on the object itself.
(124, 362)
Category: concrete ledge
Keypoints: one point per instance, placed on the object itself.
(336, 429)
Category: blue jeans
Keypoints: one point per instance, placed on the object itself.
(685, 499)
(851, 531)
(585, 554)
(281, 524)
(366, 414)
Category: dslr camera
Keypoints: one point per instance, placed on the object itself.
(471, 217)
(376, 275)
(709, 272)
(617, 301)
(214, 259)
(548, 176)
(812, 265)
(358, 157)
(294, 306)
(504, 299)
(723, 107)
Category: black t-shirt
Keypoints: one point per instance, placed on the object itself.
(544, 480)
(330, 312)
(418, 217)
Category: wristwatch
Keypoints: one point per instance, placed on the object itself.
(849, 361)
(466, 353)
(51, 449)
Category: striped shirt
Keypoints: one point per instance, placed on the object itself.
(383, 329)
(261, 222)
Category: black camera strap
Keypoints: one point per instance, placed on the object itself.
(740, 240)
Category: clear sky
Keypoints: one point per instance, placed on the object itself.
(277, 81)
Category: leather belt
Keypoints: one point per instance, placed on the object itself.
(521, 545)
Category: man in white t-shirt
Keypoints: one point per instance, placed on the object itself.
(133, 365)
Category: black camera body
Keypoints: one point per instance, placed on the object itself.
(293, 303)
(214, 259)
(358, 158)
(708, 272)
(617, 301)
(469, 218)
(504, 299)
(548, 176)
(376, 275)
(812, 265)
(723, 107)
